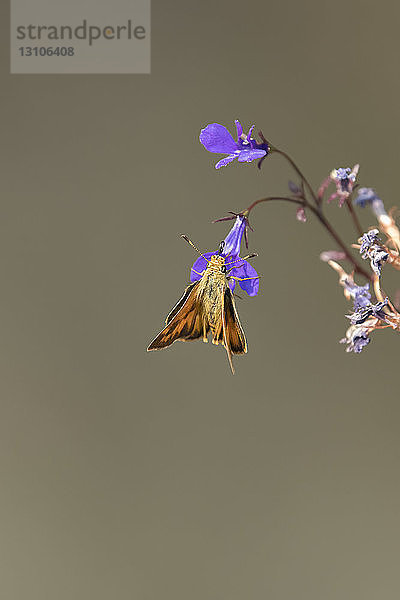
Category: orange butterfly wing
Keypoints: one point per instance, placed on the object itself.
(185, 322)
(235, 338)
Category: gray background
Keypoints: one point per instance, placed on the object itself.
(132, 475)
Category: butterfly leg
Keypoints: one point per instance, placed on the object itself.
(243, 278)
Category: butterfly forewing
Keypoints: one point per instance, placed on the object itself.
(180, 302)
(185, 322)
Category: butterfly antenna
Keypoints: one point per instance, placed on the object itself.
(185, 237)
(241, 258)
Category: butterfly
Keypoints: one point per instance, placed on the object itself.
(207, 306)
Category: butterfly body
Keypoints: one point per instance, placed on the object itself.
(210, 290)
(207, 306)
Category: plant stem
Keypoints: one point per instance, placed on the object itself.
(284, 198)
(356, 222)
(322, 219)
(358, 268)
(299, 173)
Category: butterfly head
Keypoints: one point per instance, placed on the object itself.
(217, 263)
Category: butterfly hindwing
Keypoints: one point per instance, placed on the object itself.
(235, 338)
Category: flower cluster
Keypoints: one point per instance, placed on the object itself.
(361, 314)
(360, 294)
(368, 197)
(344, 179)
(367, 315)
(372, 309)
(356, 339)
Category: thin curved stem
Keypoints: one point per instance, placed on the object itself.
(356, 222)
(358, 268)
(322, 219)
(299, 173)
(283, 198)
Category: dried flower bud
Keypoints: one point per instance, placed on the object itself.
(294, 188)
(332, 255)
(356, 339)
(301, 214)
(372, 249)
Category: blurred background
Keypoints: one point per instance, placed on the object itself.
(127, 474)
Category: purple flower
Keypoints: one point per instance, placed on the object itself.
(216, 138)
(356, 339)
(367, 240)
(360, 294)
(370, 310)
(344, 178)
(365, 196)
(236, 266)
(368, 196)
(371, 248)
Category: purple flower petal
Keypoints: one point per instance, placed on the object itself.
(239, 128)
(234, 239)
(246, 270)
(216, 138)
(250, 286)
(250, 132)
(199, 266)
(249, 154)
(225, 161)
